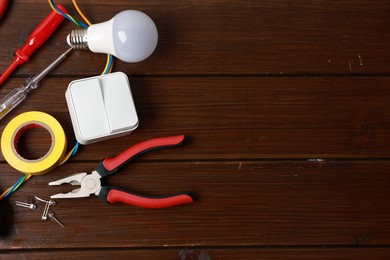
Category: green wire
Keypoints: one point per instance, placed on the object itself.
(20, 183)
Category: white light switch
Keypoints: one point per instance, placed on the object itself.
(101, 107)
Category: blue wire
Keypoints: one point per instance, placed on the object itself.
(23, 177)
(75, 149)
(66, 16)
(85, 26)
(109, 66)
(105, 72)
(13, 187)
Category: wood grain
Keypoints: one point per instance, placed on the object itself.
(243, 118)
(226, 37)
(237, 203)
(285, 108)
(206, 253)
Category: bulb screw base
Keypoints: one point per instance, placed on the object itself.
(78, 39)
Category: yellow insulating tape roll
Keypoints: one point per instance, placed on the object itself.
(15, 129)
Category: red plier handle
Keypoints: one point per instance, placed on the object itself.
(113, 195)
(110, 166)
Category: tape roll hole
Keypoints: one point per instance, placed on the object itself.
(33, 142)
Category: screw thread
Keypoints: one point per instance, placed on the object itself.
(78, 39)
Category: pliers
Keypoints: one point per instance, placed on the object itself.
(91, 183)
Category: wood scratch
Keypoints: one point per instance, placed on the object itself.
(316, 160)
(360, 60)
(239, 166)
(350, 65)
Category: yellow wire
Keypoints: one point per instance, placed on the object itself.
(67, 156)
(52, 7)
(89, 23)
(67, 15)
(107, 64)
(80, 12)
(6, 191)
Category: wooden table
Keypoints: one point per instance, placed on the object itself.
(285, 105)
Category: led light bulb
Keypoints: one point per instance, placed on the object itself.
(131, 36)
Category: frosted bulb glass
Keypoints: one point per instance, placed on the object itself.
(131, 36)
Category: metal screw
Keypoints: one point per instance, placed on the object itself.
(45, 201)
(51, 216)
(46, 210)
(25, 204)
(48, 203)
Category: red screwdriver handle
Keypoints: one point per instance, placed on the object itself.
(113, 195)
(111, 165)
(35, 40)
(3, 7)
(40, 35)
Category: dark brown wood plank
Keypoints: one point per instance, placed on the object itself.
(285, 108)
(237, 204)
(225, 37)
(242, 118)
(208, 254)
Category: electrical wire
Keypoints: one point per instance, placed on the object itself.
(15, 186)
(109, 62)
(54, 6)
(18, 184)
(80, 12)
(107, 69)
(27, 176)
(71, 153)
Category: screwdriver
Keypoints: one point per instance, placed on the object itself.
(17, 95)
(35, 40)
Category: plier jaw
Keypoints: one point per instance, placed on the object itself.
(89, 184)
